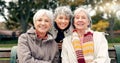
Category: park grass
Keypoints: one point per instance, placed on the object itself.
(112, 44)
(8, 43)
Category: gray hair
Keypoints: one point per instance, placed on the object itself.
(63, 10)
(41, 12)
(86, 12)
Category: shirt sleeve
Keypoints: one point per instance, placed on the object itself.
(24, 53)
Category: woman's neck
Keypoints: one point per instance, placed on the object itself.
(41, 35)
(81, 33)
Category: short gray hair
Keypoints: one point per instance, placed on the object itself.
(63, 10)
(79, 9)
(42, 12)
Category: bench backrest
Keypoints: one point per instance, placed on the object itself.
(9, 55)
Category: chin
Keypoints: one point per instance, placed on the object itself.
(62, 28)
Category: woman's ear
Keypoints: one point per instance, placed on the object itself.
(89, 23)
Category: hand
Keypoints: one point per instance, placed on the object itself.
(59, 45)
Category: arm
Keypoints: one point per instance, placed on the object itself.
(64, 53)
(24, 53)
(56, 57)
(101, 53)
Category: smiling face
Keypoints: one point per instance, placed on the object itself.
(42, 23)
(81, 21)
(62, 21)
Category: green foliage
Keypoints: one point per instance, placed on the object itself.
(22, 11)
(9, 41)
(72, 3)
(117, 25)
(102, 25)
(113, 40)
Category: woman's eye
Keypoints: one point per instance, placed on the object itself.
(83, 17)
(77, 17)
(66, 18)
(60, 18)
(46, 21)
(39, 20)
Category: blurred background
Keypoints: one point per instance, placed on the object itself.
(16, 17)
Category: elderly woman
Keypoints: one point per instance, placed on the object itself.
(62, 22)
(37, 45)
(84, 45)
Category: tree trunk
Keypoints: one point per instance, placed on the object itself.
(111, 27)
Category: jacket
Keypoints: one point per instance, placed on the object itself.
(67, 32)
(34, 50)
(100, 49)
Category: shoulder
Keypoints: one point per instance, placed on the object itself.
(23, 35)
(96, 33)
(67, 39)
(99, 36)
(53, 31)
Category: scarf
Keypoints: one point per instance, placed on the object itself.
(60, 36)
(83, 47)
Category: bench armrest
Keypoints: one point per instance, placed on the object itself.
(117, 50)
(13, 56)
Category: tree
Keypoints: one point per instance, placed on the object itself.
(2, 7)
(102, 25)
(21, 12)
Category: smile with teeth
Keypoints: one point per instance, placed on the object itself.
(80, 23)
(42, 27)
(62, 25)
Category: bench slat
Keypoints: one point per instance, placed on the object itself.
(4, 61)
(4, 54)
(112, 53)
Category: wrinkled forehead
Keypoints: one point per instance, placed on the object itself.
(63, 15)
(41, 15)
(81, 13)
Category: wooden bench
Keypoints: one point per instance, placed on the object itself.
(5, 55)
(10, 53)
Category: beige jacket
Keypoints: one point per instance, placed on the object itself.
(100, 49)
(34, 50)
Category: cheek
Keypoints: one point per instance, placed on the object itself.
(88, 23)
(74, 22)
(35, 24)
(56, 21)
(67, 21)
(50, 25)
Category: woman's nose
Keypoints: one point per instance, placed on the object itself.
(63, 20)
(43, 22)
(80, 19)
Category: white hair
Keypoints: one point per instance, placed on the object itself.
(63, 10)
(86, 12)
(41, 12)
